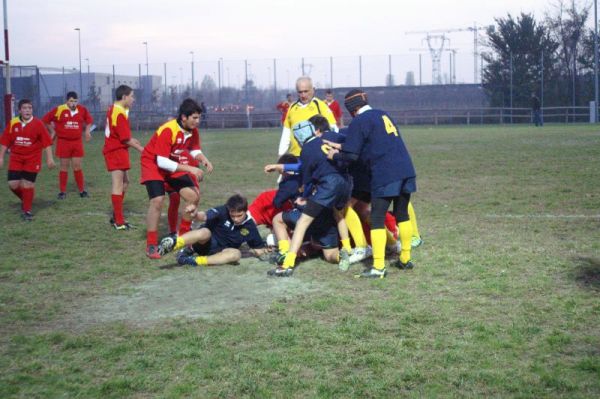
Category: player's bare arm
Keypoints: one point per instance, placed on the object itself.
(135, 143)
(275, 167)
(50, 128)
(49, 158)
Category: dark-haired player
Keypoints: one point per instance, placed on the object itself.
(160, 164)
(331, 188)
(117, 140)
(374, 138)
(26, 137)
(218, 241)
(67, 122)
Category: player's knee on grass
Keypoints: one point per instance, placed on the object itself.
(331, 255)
(231, 255)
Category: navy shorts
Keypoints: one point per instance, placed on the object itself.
(394, 189)
(210, 247)
(332, 191)
(322, 230)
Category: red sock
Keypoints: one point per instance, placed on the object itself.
(63, 177)
(151, 237)
(28, 194)
(173, 213)
(184, 226)
(18, 192)
(79, 179)
(117, 203)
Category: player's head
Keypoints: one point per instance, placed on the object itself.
(25, 108)
(188, 115)
(287, 159)
(354, 100)
(237, 206)
(124, 94)
(289, 97)
(320, 123)
(304, 88)
(329, 95)
(72, 100)
(303, 131)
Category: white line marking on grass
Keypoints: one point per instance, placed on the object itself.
(541, 216)
(108, 214)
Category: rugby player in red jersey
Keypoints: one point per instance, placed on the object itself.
(27, 138)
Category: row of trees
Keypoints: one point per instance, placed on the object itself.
(553, 57)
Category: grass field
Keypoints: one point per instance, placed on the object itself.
(504, 300)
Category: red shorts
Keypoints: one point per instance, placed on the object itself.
(150, 171)
(31, 163)
(69, 148)
(117, 160)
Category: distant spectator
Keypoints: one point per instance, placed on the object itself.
(284, 105)
(335, 108)
(203, 116)
(536, 108)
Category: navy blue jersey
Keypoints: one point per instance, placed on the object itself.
(314, 161)
(229, 235)
(289, 189)
(374, 137)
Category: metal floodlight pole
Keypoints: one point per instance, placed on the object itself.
(80, 76)
(8, 107)
(511, 87)
(596, 60)
(193, 81)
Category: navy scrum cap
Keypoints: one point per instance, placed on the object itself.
(355, 99)
(303, 131)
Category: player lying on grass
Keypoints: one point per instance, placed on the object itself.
(218, 241)
(27, 138)
(330, 189)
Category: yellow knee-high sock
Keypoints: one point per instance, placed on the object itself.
(290, 260)
(355, 227)
(284, 246)
(180, 243)
(378, 243)
(413, 220)
(405, 231)
(202, 260)
(346, 245)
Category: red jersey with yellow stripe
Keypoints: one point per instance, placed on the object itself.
(169, 141)
(26, 139)
(117, 131)
(68, 124)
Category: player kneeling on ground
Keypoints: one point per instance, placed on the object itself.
(218, 241)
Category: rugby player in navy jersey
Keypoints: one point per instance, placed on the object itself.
(331, 188)
(218, 241)
(374, 139)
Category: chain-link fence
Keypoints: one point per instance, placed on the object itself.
(244, 92)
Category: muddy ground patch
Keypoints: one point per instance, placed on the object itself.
(191, 293)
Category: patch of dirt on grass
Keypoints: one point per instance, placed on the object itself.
(588, 273)
(192, 293)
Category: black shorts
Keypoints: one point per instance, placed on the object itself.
(21, 174)
(364, 196)
(156, 188)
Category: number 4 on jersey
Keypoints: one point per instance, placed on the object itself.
(389, 126)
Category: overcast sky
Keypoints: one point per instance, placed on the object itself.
(42, 31)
